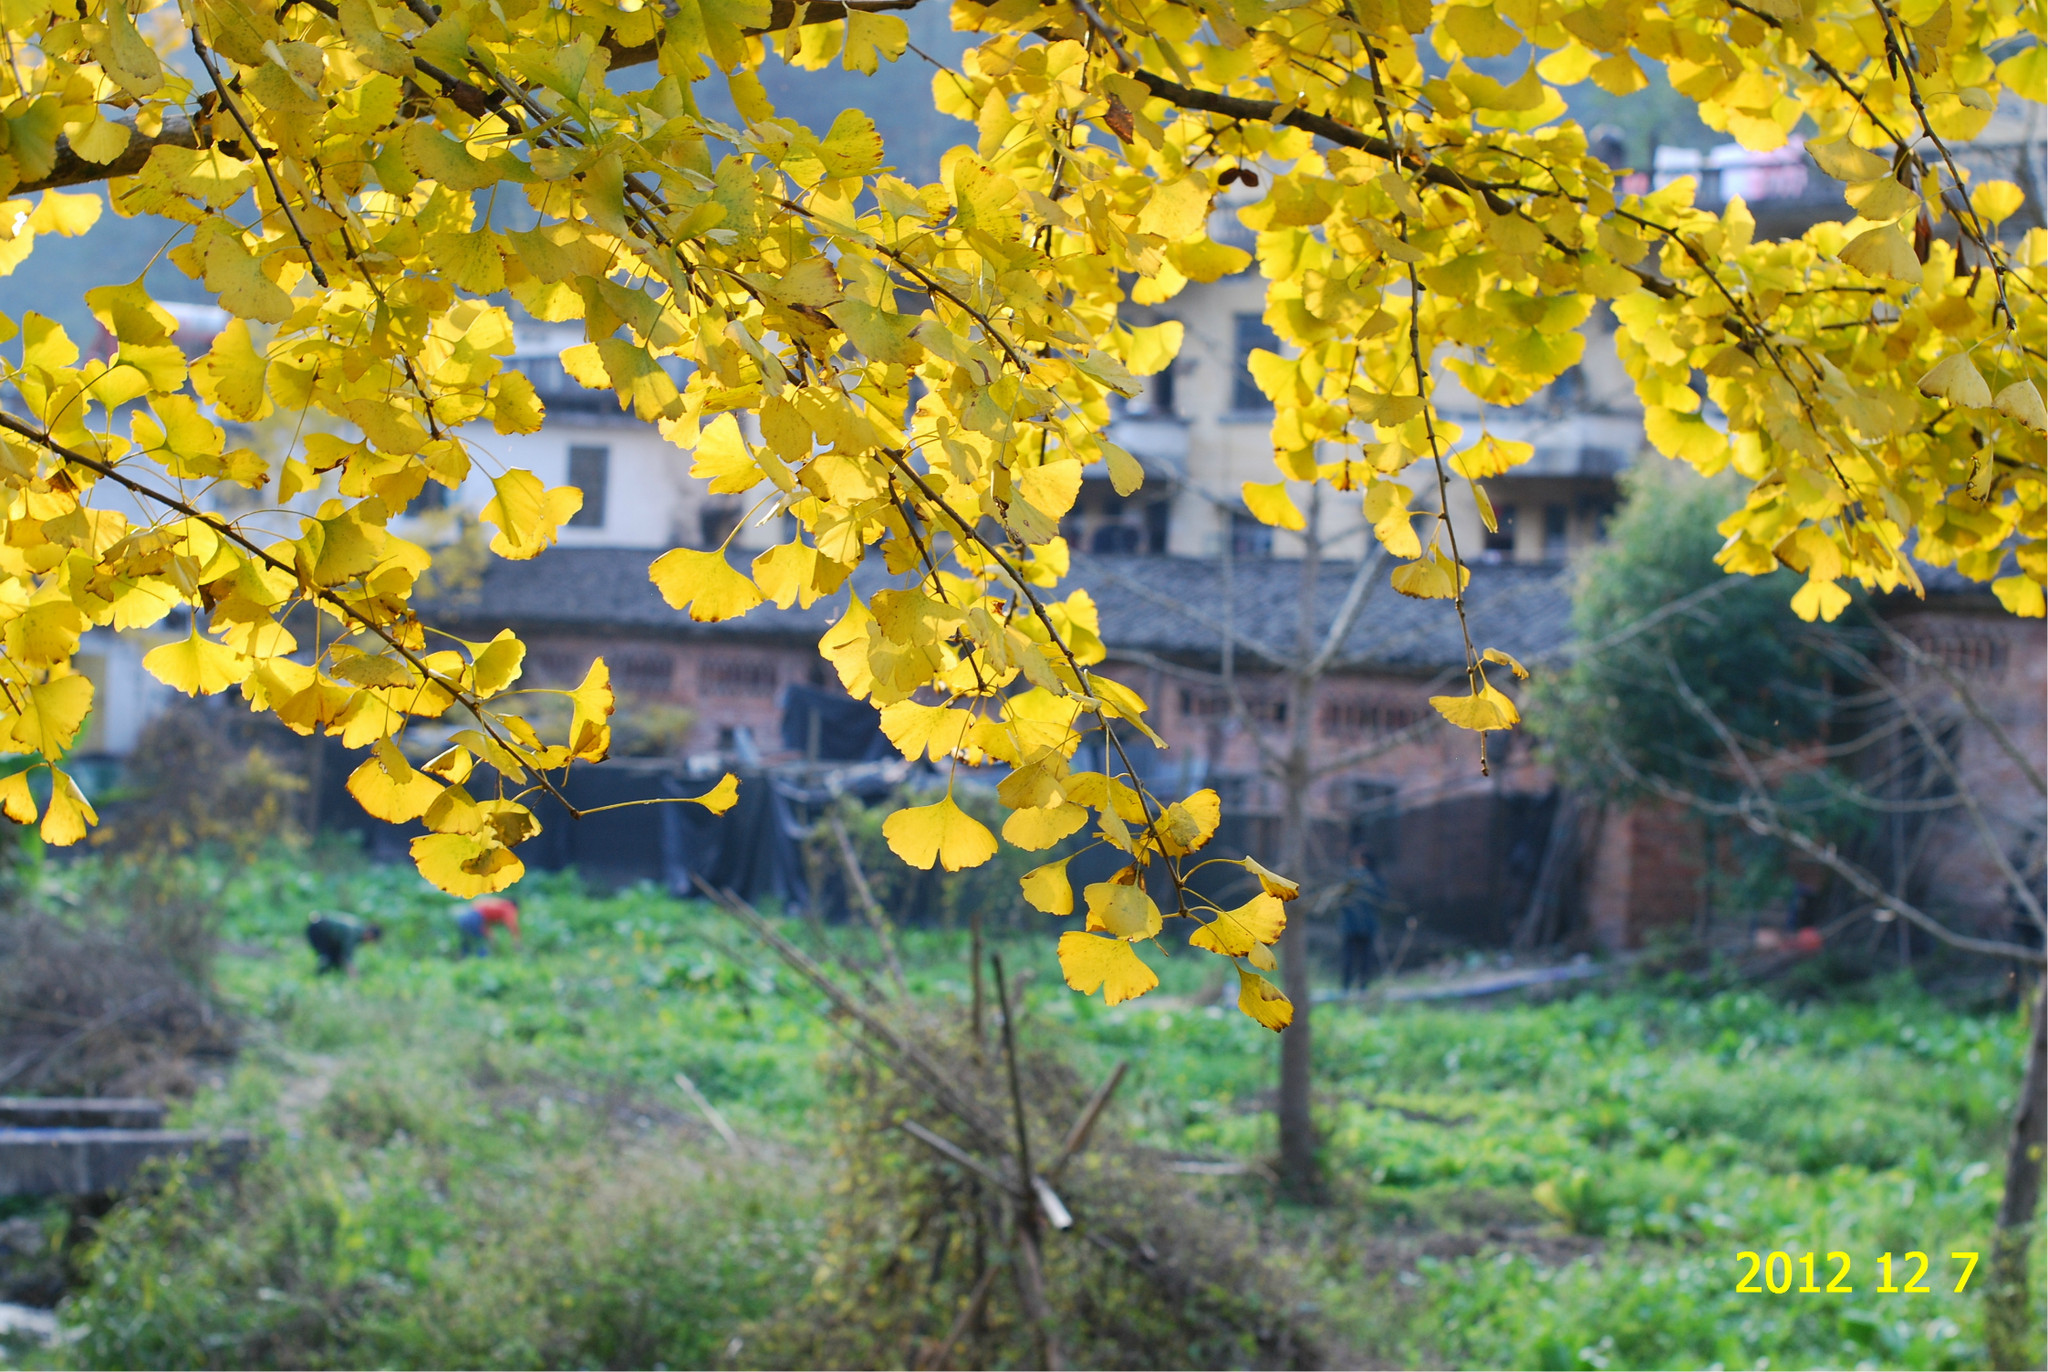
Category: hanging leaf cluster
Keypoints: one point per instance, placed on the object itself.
(920, 375)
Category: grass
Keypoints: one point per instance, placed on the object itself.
(488, 1163)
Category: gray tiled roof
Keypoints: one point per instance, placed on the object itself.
(1172, 607)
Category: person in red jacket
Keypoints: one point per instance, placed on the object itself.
(479, 917)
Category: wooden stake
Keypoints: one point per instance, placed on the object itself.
(871, 907)
(1030, 1267)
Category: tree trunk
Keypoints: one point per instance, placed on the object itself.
(2011, 1335)
(1299, 1181)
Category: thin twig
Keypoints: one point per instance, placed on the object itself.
(256, 146)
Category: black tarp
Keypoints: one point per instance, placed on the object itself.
(828, 727)
(755, 848)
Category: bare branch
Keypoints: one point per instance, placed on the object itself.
(1864, 883)
(1927, 661)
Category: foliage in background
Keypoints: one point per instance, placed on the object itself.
(201, 777)
(1615, 714)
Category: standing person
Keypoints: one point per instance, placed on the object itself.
(335, 938)
(1359, 920)
(476, 920)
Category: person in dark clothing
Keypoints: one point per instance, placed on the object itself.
(1358, 920)
(335, 939)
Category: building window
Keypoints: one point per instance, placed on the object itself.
(1351, 716)
(644, 674)
(589, 471)
(733, 676)
(1500, 540)
(1248, 537)
(1245, 395)
(1556, 531)
(1265, 708)
(715, 524)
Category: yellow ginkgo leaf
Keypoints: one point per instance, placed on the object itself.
(1269, 503)
(68, 215)
(1957, 380)
(1996, 200)
(939, 834)
(1036, 830)
(498, 664)
(1883, 251)
(1186, 825)
(1845, 161)
(1823, 600)
(1273, 883)
(1047, 888)
(1263, 1001)
(466, 865)
(69, 814)
(1090, 961)
(721, 797)
(196, 665)
(17, 801)
(1430, 577)
(704, 583)
(787, 574)
(52, 714)
(388, 787)
(1488, 709)
(1507, 661)
(1234, 933)
(2022, 401)
(590, 730)
(527, 515)
(1491, 456)
(2021, 595)
(1125, 911)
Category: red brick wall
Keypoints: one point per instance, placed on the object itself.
(724, 684)
(1644, 874)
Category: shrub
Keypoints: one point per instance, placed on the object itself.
(331, 1253)
(1146, 1278)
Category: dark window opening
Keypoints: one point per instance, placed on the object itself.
(1267, 709)
(1245, 395)
(1249, 538)
(1556, 531)
(1500, 540)
(1115, 538)
(1158, 523)
(589, 472)
(1595, 511)
(715, 524)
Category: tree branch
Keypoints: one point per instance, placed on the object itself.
(72, 170)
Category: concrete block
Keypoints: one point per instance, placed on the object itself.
(80, 1112)
(85, 1162)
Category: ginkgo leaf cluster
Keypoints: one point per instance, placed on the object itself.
(920, 377)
